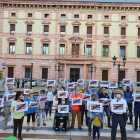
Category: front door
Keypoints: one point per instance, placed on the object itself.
(10, 72)
(74, 74)
(75, 49)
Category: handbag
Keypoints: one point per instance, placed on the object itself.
(46, 106)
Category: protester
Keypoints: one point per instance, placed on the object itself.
(41, 109)
(18, 82)
(69, 101)
(0, 108)
(23, 81)
(63, 115)
(118, 117)
(18, 117)
(106, 107)
(31, 111)
(128, 97)
(76, 109)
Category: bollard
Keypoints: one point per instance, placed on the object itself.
(11, 138)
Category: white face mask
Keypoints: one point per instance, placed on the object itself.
(118, 96)
(63, 102)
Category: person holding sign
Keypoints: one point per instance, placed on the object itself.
(118, 117)
(31, 111)
(18, 117)
(128, 97)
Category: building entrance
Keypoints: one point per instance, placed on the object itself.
(74, 74)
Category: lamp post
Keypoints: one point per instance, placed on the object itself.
(59, 68)
(31, 75)
(114, 63)
(91, 69)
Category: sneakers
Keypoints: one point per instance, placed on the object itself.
(80, 128)
(50, 118)
(135, 129)
(46, 118)
(44, 124)
(109, 126)
(38, 124)
(101, 126)
(20, 138)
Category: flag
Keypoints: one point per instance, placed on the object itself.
(67, 52)
(84, 48)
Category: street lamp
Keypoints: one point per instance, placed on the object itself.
(90, 69)
(59, 68)
(114, 63)
(31, 75)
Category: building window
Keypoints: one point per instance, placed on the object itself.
(46, 29)
(44, 73)
(76, 16)
(138, 17)
(45, 49)
(106, 17)
(123, 29)
(106, 31)
(62, 29)
(105, 50)
(104, 75)
(12, 28)
(28, 48)
(13, 14)
(122, 75)
(89, 30)
(138, 51)
(139, 32)
(10, 72)
(27, 72)
(89, 16)
(29, 29)
(63, 15)
(88, 50)
(76, 30)
(123, 17)
(29, 14)
(11, 48)
(62, 49)
(46, 15)
(122, 51)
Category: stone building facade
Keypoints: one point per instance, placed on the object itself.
(72, 33)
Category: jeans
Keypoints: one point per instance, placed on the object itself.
(89, 125)
(50, 108)
(0, 110)
(130, 110)
(107, 113)
(41, 111)
(136, 113)
(96, 129)
(82, 115)
(7, 113)
(70, 106)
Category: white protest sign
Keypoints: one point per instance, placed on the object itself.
(76, 101)
(43, 99)
(63, 109)
(107, 102)
(10, 97)
(137, 97)
(113, 85)
(96, 107)
(118, 107)
(93, 83)
(26, 91)
(62, 80)
(1, 102)
(127, 82)
(21, 107)
(34, 104)
(70, 85)
(80, 81)
(74, 83)
(86, 97)
(51, 83)
(10, 81)
(62, 94)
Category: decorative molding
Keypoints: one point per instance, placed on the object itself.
(105, 68)
(123, 42)
(73, 38)
(29, 22)
(28, 39)
(138, 25)
(62, 23)
(137, 43)
(76, 40)
(89, 23)
(46, 22)
(76, 23)
(12, 21)
(106, 24)
(89, 41)
(62, 40)
(123, 24)
(106, 42)
(45, 40)
(11, 39)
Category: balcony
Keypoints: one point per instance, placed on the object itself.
(46, 33)
(62, 34)
(29, 33)
(89, 35)
(123, 36)
(12, 33)
(106, 35)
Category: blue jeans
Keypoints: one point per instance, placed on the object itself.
(96, 129)
(0, 110)
(82, 115)
(50, 108)
(70, 106)
(130, 110)
(136, 113)
(106, 109)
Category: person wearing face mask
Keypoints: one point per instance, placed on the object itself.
(31, 111)
(76, 109)
(101, 98)
(128, 96)
(41, 109)
(118, 117)
(18, 117)
(62, 115)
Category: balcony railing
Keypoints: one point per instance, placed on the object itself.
(29, 33)
(123, 36)
(106, 35)
(46, 33)
(89, 35)
(12, 32)
(62, 34)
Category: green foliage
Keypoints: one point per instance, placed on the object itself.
(1, 75)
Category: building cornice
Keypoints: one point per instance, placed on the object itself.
(123, 24)
(62, 23)
(106, 42)
(76, 23)
(29, 22)
(28, 39)
(123, 42)
(45, 40)
(46, 22)
(11, 39)
(106, 24)
(12, 21)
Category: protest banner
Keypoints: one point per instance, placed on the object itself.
(136, 97)
(1, 102)
(21, 107)
(43, 99)
(127, 82)
(96, 107)
(70, 85)
(62, 80)
(93, 83)
(10, 97)
(74, 83)
(107, 102)
(118, 107)
(80, 81)
(62, 94)
(86, 97)
(51, 83)
(63, 109)
(34, 104)
(10, 81)
(76, 101)
(113, 85)
(26, 91)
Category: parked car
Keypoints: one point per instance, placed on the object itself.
(34, 83)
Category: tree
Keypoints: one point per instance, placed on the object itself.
(1, 75)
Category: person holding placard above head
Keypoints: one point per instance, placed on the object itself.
(128, 97)
(41, 108)
(31, 111)
(18, 117)
(76, 109)
(104, 96)
(118, 117)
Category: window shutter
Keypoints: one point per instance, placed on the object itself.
(88, 46)
(28, 44)
(138, 31)
(29, 27)
(76, 29)
(89, 30)
(104, 75)
(62, 29)
(106, 30)
(12, 27)
(122, 31)
(62, 45)
(46, 28)
(138, 51)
